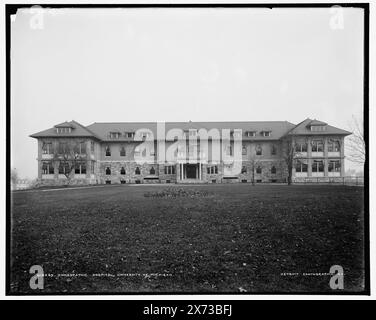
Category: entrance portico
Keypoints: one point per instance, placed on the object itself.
(190, 171)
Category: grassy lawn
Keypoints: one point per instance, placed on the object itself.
(221, 238)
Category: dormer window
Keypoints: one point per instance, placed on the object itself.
(64, 130)
(250, 133)
(235, 133)
(266, 133)
(144, 135)
(318, 128)
(129, 134)
(114, 135)
(192, 132)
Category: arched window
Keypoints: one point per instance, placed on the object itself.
(108, 171)
(152, 170)
(122, 151)
(258, 150)
(273, 170)
(258, 170)
(108, 151)
(274, 150)
(137, 171)
(122, 171)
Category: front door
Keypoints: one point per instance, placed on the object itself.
(191, 171)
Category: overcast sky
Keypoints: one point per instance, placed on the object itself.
(115, 65)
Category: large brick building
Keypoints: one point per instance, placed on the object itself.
(183, 152)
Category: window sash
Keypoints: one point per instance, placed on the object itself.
(334, 166)
(47, 168)
(317, 146)
(318, 166)
(301, 166)
(334, 146)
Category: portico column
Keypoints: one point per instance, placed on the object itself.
(309, 156)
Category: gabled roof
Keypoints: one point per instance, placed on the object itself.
(303, 128)
(65, 124)
(278, 128)
(315, 122)
(78, 130)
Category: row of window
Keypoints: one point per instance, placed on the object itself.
(273, 150)
(64, 130)
(318, 146)
(137, 171)
(65, 147)
(191, 132)
(64, 168)
(318, 166)
(273, 170)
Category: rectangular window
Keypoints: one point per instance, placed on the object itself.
(334, 166)
(47, 148)
(317, 146)
(318, 128)
(301, 147)
(80, 168)
(47, 168)
(244, 170)
(244, 150)
(318, 166)
(114, 135)
(82, 147)
(130, 134)
(169, 169)
(63, 130)
(63, 147)
(250, 133)
(92, 146)
(92, 167)
(64, 168)
(301, 166)
(212, 170)
(333, 146)
(122, 151)
(266, 133)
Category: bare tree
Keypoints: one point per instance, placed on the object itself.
(289, 155)
(254, 164)
(69, 156)
(356, 147)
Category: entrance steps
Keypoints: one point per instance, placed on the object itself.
(191, 181)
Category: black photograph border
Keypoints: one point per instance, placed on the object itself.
(11, 9)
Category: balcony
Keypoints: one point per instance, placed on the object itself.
(47, 156)
(334, 154)
(317, 154)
